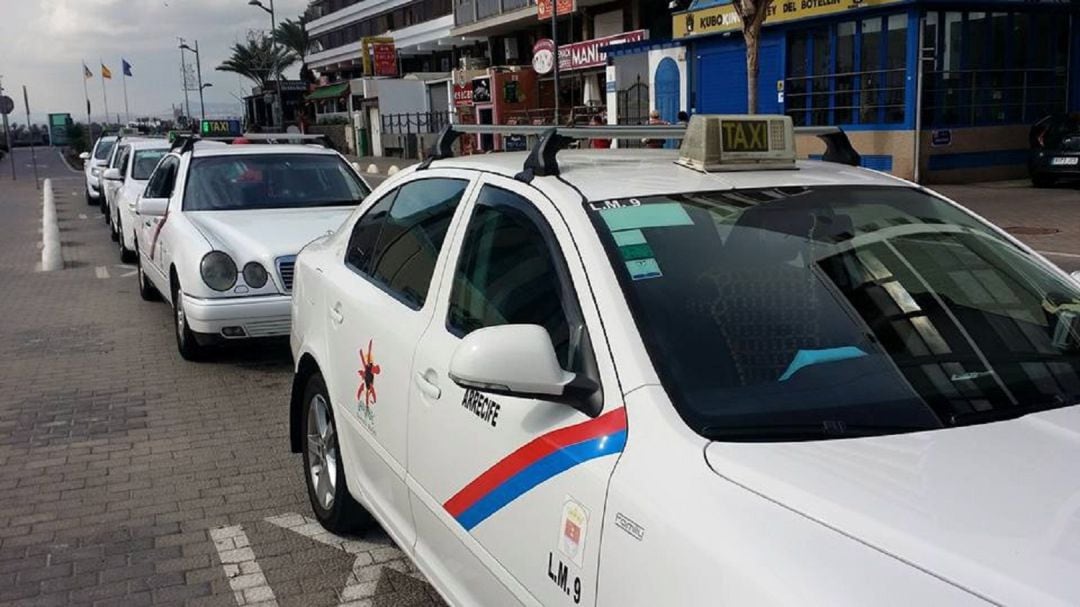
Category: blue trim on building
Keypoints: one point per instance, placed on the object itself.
(643, 46)
(976, 160)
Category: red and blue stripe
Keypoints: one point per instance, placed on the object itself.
(535, 462)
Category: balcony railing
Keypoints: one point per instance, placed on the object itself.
(471, 11)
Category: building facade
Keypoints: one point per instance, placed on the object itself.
(929, 90)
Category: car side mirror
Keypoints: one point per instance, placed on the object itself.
(519, 360)
(151, 207)
(84, 156)
(113, 175)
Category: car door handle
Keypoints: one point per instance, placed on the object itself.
(336, 315)
(426, 383)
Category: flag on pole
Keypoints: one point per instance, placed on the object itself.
(86, 72)
(105, 73)
(126, 66)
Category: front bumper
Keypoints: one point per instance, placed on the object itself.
(258, 316)
(93, 187)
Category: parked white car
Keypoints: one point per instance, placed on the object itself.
(219, 227)
(626, 381)
(93, 165)
(125, 183)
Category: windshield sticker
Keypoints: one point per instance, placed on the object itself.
(636, 251)
(807, 358)
(646, 216)
(642, 269)
(628, 237)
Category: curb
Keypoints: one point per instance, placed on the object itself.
(50, 231)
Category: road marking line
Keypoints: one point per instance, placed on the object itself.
(1056, 254)
(355, 588)
(101, 271)
(246, 578)
(128, 270)
(82, 216)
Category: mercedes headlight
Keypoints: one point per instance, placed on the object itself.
(218, 271)
(255, 275)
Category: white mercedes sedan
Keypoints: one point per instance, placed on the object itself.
(218, 229)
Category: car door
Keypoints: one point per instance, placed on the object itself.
(110, 186)
(122, 163)
(378, 304)
(151, 246)
(509, 492)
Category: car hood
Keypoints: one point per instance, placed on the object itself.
(266, 233)
(993, 508)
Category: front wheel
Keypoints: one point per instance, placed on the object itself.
(334, 507)
(146, 289)
(126, 254)
(186, 344)
(90, 199)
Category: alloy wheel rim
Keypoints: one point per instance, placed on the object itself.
(322, 451)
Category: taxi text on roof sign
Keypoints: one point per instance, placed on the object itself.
(220, 128)
(726, 143)
(723, 18)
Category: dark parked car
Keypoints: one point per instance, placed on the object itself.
(1055, 149)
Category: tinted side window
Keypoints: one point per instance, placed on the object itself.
(412, 236)
(508, 274)
(125, 156)
(365, 234)
(163, 179)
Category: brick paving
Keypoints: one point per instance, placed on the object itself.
(119, 460)
(131, 477)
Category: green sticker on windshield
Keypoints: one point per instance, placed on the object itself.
(628, 237)
(641, 269)
(635, 251)
(646, 216)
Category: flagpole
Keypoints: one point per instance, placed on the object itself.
(123, 78)
(104, 93)
(86, 93)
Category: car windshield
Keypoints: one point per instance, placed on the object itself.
(145, 162)
(271, 181)
(826, 312)
(104, 147)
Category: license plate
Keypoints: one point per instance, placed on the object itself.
(1064, 161)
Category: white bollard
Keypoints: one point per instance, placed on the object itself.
(393, 169)
(371, 168)
(50, 232)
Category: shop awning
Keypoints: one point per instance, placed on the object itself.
(332, 91)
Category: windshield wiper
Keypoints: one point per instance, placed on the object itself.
(828, 429)
(971, 418)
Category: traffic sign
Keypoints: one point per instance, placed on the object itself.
(7, 105)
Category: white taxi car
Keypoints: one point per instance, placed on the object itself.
(218, 229)
(721, 378)
(128, 180)
(94, 162)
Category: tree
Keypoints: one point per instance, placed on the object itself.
(257, 58)
(752, 15)
(292, 34)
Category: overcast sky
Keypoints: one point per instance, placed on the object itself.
(44, 42)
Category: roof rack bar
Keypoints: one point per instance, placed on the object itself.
(541, 161)
(620, 131)
(838, 147)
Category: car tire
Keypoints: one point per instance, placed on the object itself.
(89, 199)
(186, 342)
(324, 468)
(114, 231)
(126, 254)
(1042, 181)
(147, 291)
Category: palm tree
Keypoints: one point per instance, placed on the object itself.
(292, 34)
(256, 59)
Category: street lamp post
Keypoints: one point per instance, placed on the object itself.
(198, 71)
(280, 118)
(184, 82)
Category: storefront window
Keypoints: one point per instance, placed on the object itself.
(994, 68)
(844, 100)
(848, 73)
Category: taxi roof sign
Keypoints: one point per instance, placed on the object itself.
(738, 142)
